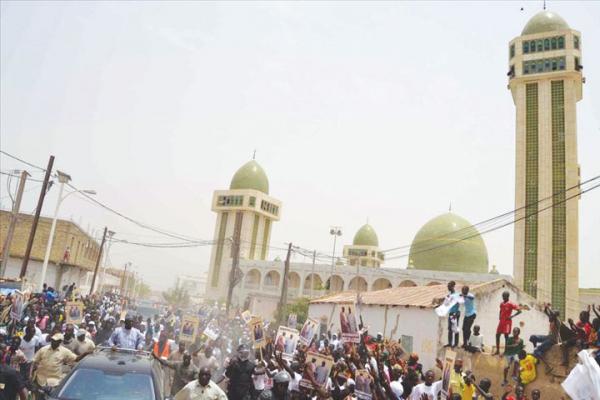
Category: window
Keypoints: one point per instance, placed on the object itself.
(230, 201)
(577, 65)
(252, 201)
(540, 45)
(553, 45)
(525, 47)
(531, 188)
(546, 44)
(561, 42)
(532, 46)
(561, 63)
(268, 207)
(512, 50)
(576, 42)
(544, 65)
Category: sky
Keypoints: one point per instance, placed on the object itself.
(388, 112)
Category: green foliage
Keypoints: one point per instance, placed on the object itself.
(298, 307)
(179, 298)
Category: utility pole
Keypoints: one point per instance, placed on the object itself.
(13, 222)
(98, 260)
(36, 218)
(124, 279)
(235, 273)
(312, 275)
(284, 286)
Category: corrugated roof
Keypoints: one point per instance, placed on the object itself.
(414, 296)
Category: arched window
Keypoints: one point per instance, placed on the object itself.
(561, 42)
(546, 44)
(554, 44)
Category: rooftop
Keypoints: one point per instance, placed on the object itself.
(416, 296)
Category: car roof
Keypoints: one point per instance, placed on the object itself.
(118, 361)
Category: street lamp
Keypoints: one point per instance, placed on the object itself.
(334, 231)
(62, 179)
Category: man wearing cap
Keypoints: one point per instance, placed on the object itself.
(83, 344)
(48, 362)
(239, 372)
(201, 389)
(281, 382)
(127, 337)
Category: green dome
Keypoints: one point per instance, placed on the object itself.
(545, 21)
(366, 236)
(250, 176)
(438, 246)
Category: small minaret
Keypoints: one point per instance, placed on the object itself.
(364, 250)
(545, 80)
(247, 199)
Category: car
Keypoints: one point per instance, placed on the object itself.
(109, 374)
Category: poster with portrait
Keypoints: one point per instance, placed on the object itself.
(348, 323)
(318, 367)
(362, 387)
(292, 321)
(449, 358)
(286, 342)
(74, 312)
(189, 328)
(18, 302)
(212, 330)
(258, 332)
(309, 330)
(246, 317)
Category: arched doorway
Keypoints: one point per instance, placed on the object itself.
(252, 279)
(272, 280)
(312, 284)
(407, 283)
(360, 282)
(381, 284)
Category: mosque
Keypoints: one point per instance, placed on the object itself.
(446, 248)
(545, 80)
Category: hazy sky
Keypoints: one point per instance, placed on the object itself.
(386, 111)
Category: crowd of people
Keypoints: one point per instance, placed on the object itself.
(224, 359)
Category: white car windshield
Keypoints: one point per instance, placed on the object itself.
(94, 384)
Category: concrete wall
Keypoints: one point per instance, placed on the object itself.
(429, 332)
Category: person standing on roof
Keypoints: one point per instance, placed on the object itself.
(127, 337)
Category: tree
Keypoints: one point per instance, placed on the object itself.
(298, 307)
(177, 297)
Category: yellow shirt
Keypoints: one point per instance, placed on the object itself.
(527, 369)
(468, 392)
(49, 363)
(456, 382)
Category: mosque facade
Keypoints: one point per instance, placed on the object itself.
(446, 248)
(545, 80)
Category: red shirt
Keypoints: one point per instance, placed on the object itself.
(506, 310)
(587, 328)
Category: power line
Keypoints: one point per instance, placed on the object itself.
(491, 221)
(500, 226)
(23, 161)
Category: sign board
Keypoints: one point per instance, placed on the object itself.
(348, 323)
(309, 330)
(258, 332)
(449, 358)
(74, 312)
(317, 369)
(189, 328)
(286, 342)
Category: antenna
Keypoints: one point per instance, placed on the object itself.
(254, 154)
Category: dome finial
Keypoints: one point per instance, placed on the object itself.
(254, 155)
(544, 4)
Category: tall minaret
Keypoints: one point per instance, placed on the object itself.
(248, 203)
(545, 80)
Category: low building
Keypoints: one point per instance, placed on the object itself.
(194, 285)
(72, 257)
(407, 314)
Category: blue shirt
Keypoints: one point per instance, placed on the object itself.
(470, 308)
(127, 339)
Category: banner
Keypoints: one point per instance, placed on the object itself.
(18, 301)
(362, 387)
(258, 332)
(74, 312)
(212, 330)
(309, 330)
(292, 321)
(286, 342)
(448, 367)
(450, 301)
(317, 369)
(189, 328)
(246, 316)
(348, 324)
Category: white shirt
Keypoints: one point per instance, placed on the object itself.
(194, 391)
(295, 382)
(431, 391)
(397, 388)
(28, 348)
(476, 341)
